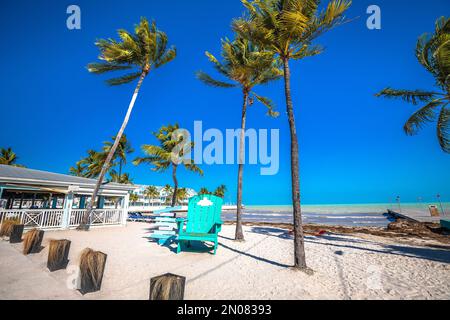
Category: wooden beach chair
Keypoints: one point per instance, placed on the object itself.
(203, 222)
(166, 224)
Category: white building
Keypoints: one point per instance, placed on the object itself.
(148, 204)
(48, 200)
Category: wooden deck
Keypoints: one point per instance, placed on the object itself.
(417, 215)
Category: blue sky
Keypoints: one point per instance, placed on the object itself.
(352, 147)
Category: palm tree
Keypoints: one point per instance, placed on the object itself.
(151, 192)
(288, 28)
(134, 198)
(433, 53)
(78, 170)
(142, 51)
(246, 65)
(9, 157)
(182, 195)
(165, 155)
(168, 190)
(91, 165)
(123, 148)
(124, 178)
(203, 191)
(220, 192)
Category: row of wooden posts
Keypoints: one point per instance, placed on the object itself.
(92, 265)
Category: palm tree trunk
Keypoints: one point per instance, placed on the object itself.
(175, 185)
(87, 216)
(239, 235)
(120, 169)
(299, 245)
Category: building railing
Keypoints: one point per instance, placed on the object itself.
(53, 218)
(99, 217)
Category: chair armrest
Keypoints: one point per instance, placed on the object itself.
(180, 222)
(218, 226)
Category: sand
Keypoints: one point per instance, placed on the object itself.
(345, 267)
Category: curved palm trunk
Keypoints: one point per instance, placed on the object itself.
(87, 216)
(239, 233)
(175, 185)
(299, 245)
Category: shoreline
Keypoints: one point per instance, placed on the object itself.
(401, 229)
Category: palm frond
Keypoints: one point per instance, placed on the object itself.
(411, 96)
(100, 68)
(268, 103)
(421, 116)
(207, 79)
(443, 129)
(123, 79)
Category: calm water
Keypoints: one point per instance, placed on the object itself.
(373, 215)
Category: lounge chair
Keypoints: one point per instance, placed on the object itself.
(203, 222)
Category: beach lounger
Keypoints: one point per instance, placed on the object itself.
(134, 217)
(203, 222)
(166, 223)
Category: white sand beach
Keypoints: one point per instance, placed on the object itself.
(345, 267)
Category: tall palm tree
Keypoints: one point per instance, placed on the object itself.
(164, 155)
(123, 149)
(288, 28)
(9, 157)
(247, 66)
(220, 191)
(433, 53)
(143, 51)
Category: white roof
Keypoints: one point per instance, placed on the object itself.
(31, 177)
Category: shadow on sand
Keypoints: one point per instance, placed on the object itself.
(432, 253)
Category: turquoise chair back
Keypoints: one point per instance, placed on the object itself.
(203, 213)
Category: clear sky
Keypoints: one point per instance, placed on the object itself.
(352, 147)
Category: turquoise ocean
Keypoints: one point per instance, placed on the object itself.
(371, 214)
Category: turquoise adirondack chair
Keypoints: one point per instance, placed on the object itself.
(203, 221)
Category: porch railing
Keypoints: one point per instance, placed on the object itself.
(99, 217)
(53, 218)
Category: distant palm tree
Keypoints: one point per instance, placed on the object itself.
(134, 198)
(151, 192)
(77, 170)
(143, 51)
(203, 191)
(220, 191)
(182, 195)
(123, 149)
(9, 157)
(288, 28)
(91, 165)
(124, 178)
(163, 156)
(433, 53)
(246, 66)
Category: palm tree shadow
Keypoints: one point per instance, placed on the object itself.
(244, 253)
(432, 254)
